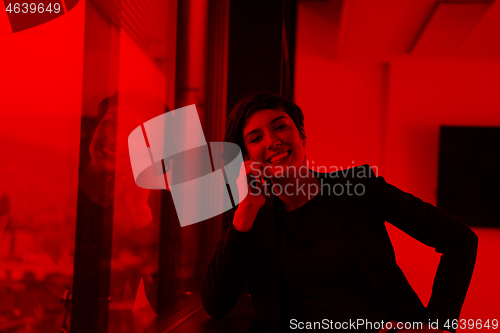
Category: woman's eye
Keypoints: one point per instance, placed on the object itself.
(255, 139)
(281, 127)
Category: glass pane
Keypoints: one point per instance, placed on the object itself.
(40, 107)
(73, 221)
(156, 264)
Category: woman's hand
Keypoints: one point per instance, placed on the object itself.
(252, 182)
(255, 199)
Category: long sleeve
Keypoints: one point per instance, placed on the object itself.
(223, 282)
(455, 241)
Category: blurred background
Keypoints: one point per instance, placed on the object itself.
(407, 86)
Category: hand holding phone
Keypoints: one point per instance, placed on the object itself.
(251, 182)
(258, 174)
(255, 195)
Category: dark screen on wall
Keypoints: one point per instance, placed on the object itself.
(469, 174)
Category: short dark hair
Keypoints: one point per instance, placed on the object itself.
(253, 103)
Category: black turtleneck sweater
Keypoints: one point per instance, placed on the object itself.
(321, 278)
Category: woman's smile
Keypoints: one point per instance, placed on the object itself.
(279, 157)
(271, 138)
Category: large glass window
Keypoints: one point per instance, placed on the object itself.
(73, 223)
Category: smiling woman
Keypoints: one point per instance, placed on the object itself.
(270, 131)
(326, 257)
(273, 138)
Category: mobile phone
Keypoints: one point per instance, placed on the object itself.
(263, 183)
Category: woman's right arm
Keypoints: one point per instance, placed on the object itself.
(223, 282)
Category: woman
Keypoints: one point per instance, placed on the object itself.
(324, 257)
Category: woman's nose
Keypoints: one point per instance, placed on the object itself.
(273, 142)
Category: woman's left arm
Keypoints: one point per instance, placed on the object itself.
(433, 227)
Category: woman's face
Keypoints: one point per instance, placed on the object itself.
(272, 139)
(103, 145)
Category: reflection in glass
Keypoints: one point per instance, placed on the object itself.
(94, 225)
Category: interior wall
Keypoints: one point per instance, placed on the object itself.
(388, 115)
(425, 94)
(343, 102)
